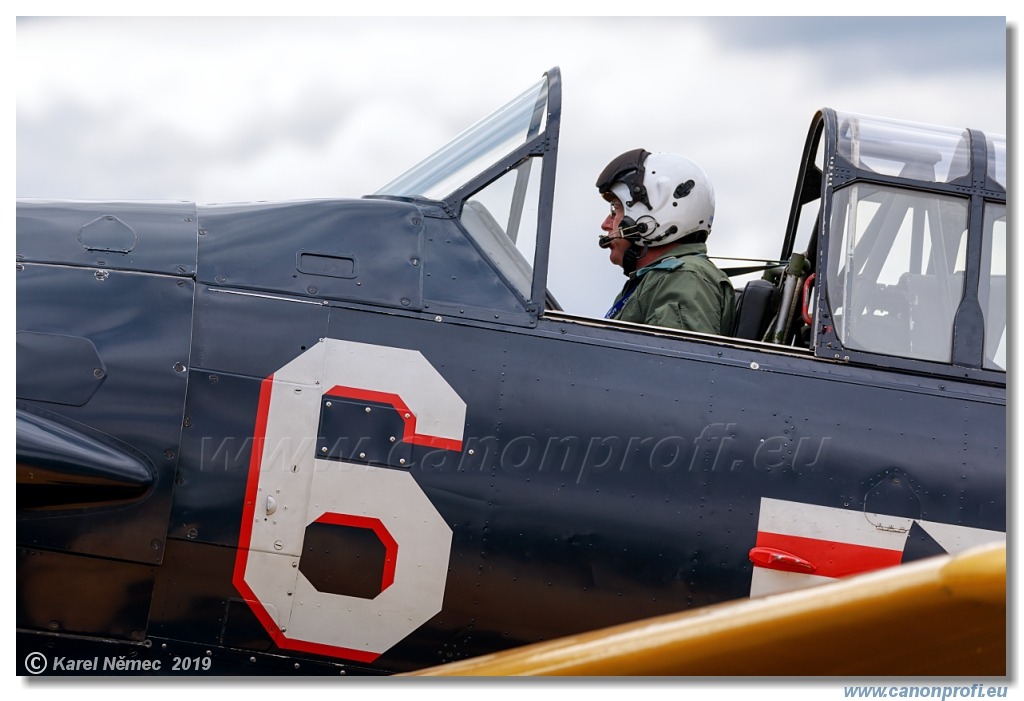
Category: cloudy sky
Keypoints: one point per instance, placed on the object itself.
(239, 109)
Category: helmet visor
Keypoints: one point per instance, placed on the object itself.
(628, 169)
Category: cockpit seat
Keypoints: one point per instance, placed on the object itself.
(755, 307)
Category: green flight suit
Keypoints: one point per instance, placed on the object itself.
(682, 289)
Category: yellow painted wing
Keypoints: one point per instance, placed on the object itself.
(942, 616)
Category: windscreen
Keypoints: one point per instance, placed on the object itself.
(475, 149)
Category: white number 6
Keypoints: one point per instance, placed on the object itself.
(289, 488)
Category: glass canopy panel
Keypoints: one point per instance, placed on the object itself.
(997, 158)
(896, 270)
(992, 287)
(916, 151)
(475, 149)
(503, 222)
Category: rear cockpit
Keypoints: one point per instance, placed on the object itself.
(903, 228)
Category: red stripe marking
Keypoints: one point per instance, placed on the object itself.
(325, 650)
(259, 436)
(410, 435)
(252, 484)
(829, 558)
(375, 525)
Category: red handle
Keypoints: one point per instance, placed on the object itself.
(775, 559)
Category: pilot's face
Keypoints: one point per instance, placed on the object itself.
(611, 224)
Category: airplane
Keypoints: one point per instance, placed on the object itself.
(360, 436)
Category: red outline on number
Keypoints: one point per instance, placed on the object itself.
(379, 529)
(410, 435)
(249, 512)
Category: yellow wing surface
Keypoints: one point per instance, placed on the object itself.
(942, 616)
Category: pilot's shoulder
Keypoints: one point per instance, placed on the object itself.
(697, 263)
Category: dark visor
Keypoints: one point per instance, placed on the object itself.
(628, 169)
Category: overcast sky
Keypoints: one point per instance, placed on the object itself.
(237, 109)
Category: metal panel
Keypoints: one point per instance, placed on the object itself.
(145, 350)
(361, 431)
(216, 446)
(250, 333)
(157, 237)
(358, 250)
(110, 599)
(58, 368)
(461, 281)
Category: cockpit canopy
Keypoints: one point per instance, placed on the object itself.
(912, 249)
(902, 228)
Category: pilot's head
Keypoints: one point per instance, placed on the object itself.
(656, 199)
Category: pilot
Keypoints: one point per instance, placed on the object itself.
(662, 206)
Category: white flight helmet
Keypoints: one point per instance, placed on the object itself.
(665, 196)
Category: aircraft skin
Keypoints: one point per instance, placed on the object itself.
(345, 443)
